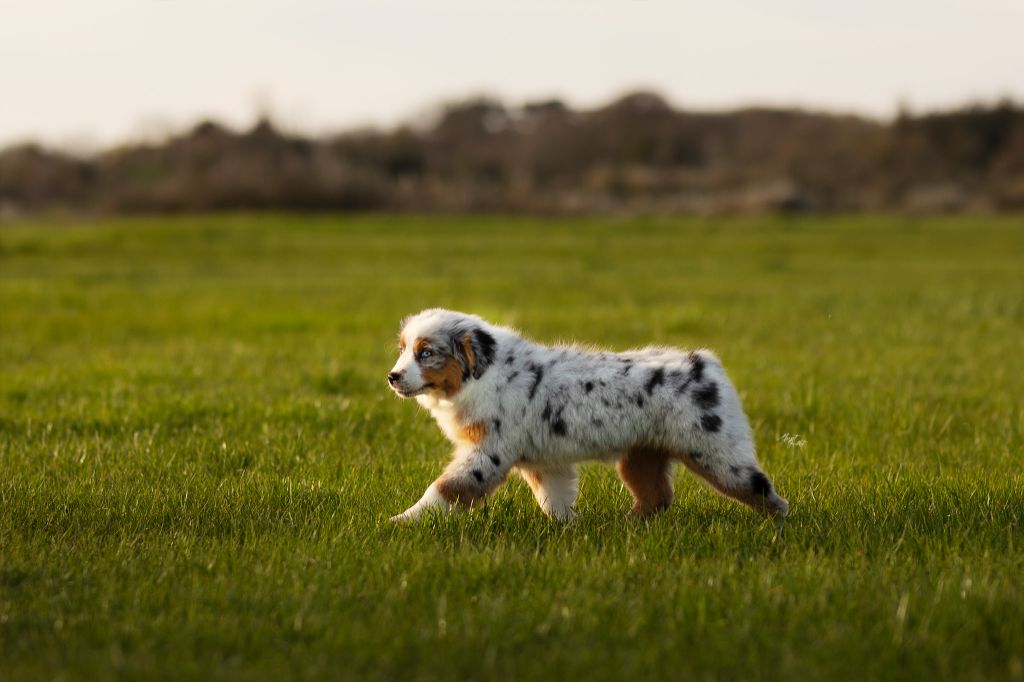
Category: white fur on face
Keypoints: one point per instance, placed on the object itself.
(412, 381)
(433, 329)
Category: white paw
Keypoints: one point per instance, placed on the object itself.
(408, 517)
(562, 515)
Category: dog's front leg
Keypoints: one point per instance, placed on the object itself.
(432, 499)
(473, 474)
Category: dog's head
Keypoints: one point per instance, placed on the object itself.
(440, 351)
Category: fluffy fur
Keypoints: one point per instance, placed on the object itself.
(508, 403)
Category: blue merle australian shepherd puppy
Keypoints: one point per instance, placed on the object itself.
(509, 403)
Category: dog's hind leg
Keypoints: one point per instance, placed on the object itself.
(647, 472)
(740, 479)
(555, 487)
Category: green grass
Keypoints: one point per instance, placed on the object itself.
(198, 452)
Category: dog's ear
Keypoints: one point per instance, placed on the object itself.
(475, 350)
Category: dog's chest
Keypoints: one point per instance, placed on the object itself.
(447, 417)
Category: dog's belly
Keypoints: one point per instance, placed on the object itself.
(573, 457)
(586, 437)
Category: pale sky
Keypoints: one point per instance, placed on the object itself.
(94, 72)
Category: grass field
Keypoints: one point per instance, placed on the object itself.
(198, 452)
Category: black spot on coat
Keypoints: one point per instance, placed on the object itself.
(497, 426)
(696, 368)
(710, 422)
(495, 460)
(760, 484)
(483, 348)
(683, 381)
(538, 375)
(478, 475)
(558, 426)
(706, 396)
(589, 386)
(657, 379)
(639, 400)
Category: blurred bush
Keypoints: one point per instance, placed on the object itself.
(637, 154)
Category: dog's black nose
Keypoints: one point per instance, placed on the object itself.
(393, 377)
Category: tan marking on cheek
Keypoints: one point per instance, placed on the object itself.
(467, 349)
(418, 345)
(472, 433)
(447, 379)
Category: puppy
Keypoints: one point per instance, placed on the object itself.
(506, 402)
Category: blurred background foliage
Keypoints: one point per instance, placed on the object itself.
(637, 154)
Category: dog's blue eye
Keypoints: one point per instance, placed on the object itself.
(424, 354)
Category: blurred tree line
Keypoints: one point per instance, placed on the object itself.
(637, 154)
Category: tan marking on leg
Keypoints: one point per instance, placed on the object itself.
(459, 492)
(645, 471)
(472, 433)
(533, 477)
